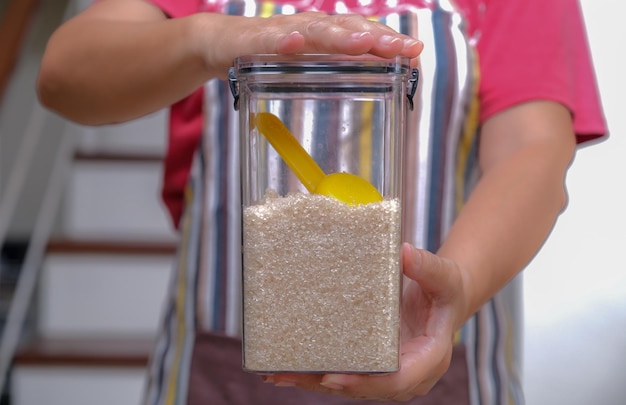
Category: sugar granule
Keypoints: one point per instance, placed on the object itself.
(321, 285)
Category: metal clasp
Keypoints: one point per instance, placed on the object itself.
(412, 87)
(234, 87)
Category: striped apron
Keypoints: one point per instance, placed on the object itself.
(202, 317)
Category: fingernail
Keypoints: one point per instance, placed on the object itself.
(359, 35)
(388, 39)
(268, 378)
(410, 43)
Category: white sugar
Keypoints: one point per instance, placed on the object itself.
(321, 285)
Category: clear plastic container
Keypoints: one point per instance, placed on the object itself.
(321, 267)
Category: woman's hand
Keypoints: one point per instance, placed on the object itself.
(309, 32)
(120, 59)
(433, 308)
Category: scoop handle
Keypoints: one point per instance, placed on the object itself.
(290, 150)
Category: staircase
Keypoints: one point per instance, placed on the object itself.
(105, 274)
(105, 270)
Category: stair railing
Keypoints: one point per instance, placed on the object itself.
(31, 267)
(49, 207)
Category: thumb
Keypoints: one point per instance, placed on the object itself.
(431, 272)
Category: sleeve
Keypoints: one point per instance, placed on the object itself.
(177, 8)
(184, 134)
(185, 128)
(538, 49)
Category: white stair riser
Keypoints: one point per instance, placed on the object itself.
(110, 296)
(77, 385)
(143, 135)
(117, 199)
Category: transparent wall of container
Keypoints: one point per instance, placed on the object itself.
(321, 272)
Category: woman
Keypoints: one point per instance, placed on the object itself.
(507, 91)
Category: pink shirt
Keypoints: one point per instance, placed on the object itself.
(520, 61)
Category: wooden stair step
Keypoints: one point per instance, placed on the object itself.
(111, 193)
(103, 287)
(122, 157)
(111, 246)
(112, 352)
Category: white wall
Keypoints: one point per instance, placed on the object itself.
(576, 287)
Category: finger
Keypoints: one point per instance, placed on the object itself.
(290, 43)
(429, 271)
(313, 32)
(341, 34)
(310, 382)
(424, 360)
(301, 380)
(345, 34)
(440, 280)
(387, 41)
(350, 34)
(309, 32)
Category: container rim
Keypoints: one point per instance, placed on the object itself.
(320, 63)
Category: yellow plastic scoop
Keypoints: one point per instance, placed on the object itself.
(345, 187)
